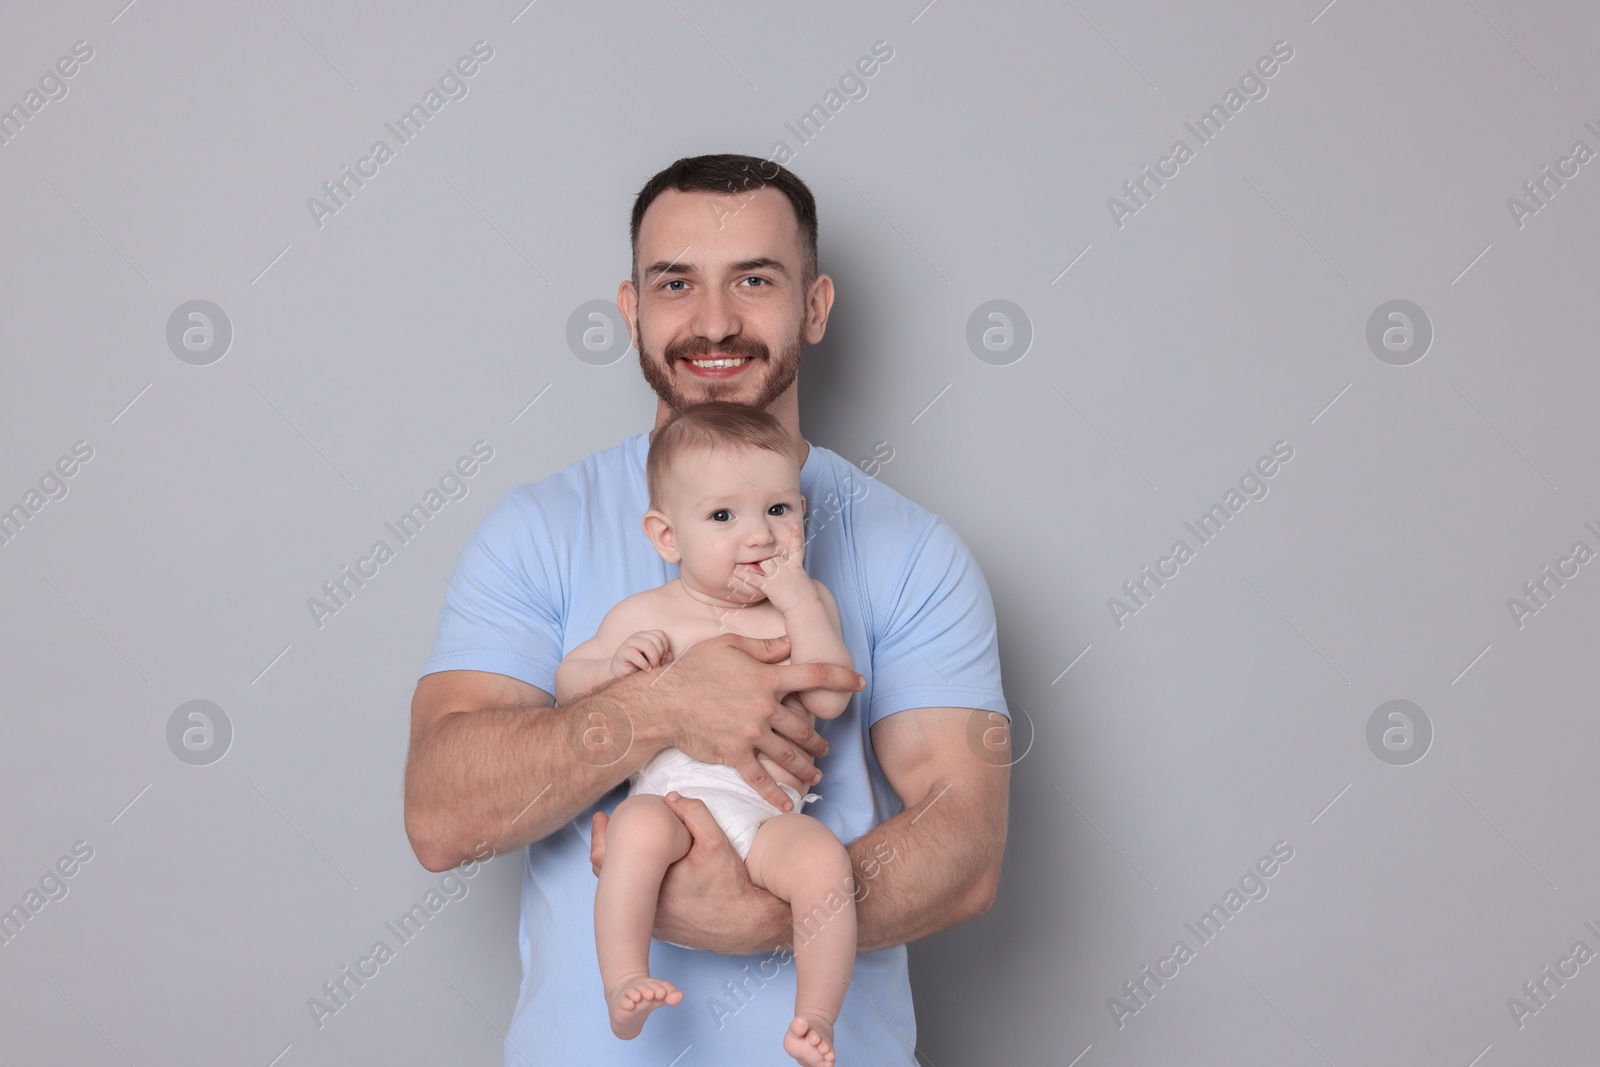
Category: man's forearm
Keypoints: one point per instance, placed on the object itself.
(915, 875)
(511, 775)
(577, 676)
(921, 871)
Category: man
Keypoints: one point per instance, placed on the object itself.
(911, 776)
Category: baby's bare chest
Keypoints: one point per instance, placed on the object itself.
(686, 624)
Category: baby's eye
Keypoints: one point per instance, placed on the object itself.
(719, 511)
(773, 510)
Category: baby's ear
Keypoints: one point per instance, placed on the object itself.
(659, 530)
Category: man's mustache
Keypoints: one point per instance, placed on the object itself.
(753, 349)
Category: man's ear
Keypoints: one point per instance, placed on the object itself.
(659, 530)
(628, 304)
(818, 302)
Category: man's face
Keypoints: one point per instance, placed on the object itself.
(729, 509)
(719, 276)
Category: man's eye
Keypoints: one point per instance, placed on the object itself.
(756, 278)
(672, 282)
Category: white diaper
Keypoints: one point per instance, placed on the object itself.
(732, 801)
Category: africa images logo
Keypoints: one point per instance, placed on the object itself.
(452, 85)
(1252, 86)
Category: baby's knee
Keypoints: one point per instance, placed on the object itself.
(822, 855)
(642, 815)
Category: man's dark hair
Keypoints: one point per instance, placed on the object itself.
(733, 175)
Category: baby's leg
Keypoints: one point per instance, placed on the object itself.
(643, 839)
(799, 859)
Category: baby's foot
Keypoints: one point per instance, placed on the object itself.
(635, 997)
(810, 1041)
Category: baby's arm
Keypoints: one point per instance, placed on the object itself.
(812, 624)
(615, 649)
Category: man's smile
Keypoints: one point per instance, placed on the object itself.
(716, 366)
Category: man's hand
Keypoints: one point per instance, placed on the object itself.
(707, 900)
(722, 701)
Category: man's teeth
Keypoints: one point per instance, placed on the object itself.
(711, 364)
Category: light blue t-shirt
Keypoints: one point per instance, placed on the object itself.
(533, 582)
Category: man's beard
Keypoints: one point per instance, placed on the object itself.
(780, 376)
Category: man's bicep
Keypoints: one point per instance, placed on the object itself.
(930, 752)
(929, 758)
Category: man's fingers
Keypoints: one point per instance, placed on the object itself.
(766, 649)
(794, 724)
(799, 677)
(597, 841)
(751, 771)
(792, 741)
(781, 752)
(793, 744)
(698, 818)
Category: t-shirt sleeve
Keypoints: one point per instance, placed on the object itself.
(939, 646)
(501, 612)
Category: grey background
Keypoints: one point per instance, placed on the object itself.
(1229, 313)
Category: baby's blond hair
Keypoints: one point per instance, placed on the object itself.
(713, 424)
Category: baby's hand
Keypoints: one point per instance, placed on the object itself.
(782, 579)
(641, 652)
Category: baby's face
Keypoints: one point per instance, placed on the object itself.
(730, 509)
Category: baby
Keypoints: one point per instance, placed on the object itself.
(726, 506)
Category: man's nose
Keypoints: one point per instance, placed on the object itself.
(714, 316)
